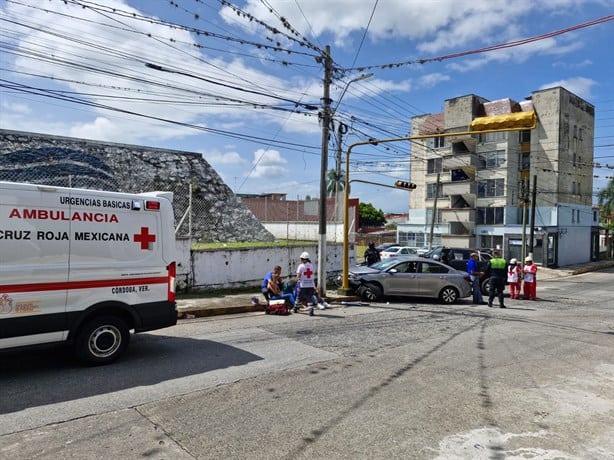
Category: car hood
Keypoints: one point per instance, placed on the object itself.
(358, 271)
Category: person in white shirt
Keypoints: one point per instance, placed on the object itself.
(305, 278)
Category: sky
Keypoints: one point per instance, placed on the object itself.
(242, 82)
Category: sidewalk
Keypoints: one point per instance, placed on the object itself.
(238, 303)
(242, 303)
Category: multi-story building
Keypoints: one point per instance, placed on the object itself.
(527, 191)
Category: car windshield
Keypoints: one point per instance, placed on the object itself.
(432, 251)
(385, 264)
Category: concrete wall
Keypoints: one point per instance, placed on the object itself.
(233, 268)
(307, 231)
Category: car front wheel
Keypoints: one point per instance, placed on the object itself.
(372, 293)
(448, 295)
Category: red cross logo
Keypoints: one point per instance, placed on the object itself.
(308, 272)
(144, 238)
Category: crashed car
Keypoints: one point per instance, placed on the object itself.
(410, 277)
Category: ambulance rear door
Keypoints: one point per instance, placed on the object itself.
(116, 253)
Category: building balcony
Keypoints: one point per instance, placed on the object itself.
(464, 188)
(463, 161)
(458, 215)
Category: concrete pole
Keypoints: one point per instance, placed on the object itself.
(323, 169)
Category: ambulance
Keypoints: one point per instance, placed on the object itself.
(84, 268)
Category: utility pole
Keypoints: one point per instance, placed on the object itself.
(326, 118)
(341, 130)
(524, 191)
(533, 199)
(434, 212)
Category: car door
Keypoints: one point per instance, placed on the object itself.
(404, 281)
(431, 277)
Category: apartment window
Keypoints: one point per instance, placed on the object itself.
(491, 187)
(525, 136)
(489, 160)
(430, 191)
(525, 161)
(578, 217)
(419, 240)
(439, 142)
(429, 216)
(493, 137)
(489, 216)
(434, 165)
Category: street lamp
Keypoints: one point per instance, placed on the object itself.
(363, 76)
(328, 114)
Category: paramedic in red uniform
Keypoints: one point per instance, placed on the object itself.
(514, 278)
(305, 278)
(530, 279)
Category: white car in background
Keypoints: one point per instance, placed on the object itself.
(397, 251)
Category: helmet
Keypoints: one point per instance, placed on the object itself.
(528, 259)
(513, 261)
(305, 255)
(371, 244)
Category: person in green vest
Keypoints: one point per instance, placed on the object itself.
(496, 270)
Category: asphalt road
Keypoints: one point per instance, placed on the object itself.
(393, 380)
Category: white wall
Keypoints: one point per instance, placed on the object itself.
(306, 231)
(574, 245)
(226, 268)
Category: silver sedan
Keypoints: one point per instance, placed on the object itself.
(410, 277)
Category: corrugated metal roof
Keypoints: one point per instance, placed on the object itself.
(519, 120)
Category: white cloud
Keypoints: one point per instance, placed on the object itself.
(432, 79)
(15, 109)
(215, 157)
(573, 65)
(268, 163)
(580, 86)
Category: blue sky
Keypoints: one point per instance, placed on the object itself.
(248, 97)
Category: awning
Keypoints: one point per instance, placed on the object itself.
(509, 121)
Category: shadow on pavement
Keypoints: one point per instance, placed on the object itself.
(35, 378)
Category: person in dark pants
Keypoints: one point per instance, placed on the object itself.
(371, 254)
(496, 270)
(474, 273)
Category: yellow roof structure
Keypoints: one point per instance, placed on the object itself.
(509, 121)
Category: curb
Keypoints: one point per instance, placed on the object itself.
(239, 305)
(198, 312)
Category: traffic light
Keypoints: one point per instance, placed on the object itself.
(405, 184)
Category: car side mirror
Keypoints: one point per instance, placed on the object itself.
(393, 270)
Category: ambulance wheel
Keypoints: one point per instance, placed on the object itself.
(102, 340)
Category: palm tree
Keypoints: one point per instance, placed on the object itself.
(606, 202)
(334, 183)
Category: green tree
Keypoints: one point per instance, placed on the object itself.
(606, 204)
(369, 216)
(334, 182)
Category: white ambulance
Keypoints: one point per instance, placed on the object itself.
(84, 267)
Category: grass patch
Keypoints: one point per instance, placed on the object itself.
(253, 244)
